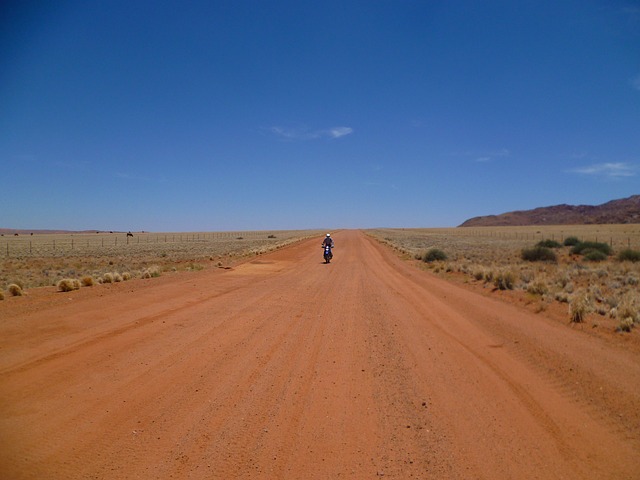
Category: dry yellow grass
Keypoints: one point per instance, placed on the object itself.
(44, 260)
(484, 254)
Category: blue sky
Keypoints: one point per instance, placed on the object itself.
(231, 115)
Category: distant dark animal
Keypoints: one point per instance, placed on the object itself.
(129, 234)
(31, 234)
(16, 234)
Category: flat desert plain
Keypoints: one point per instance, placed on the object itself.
(283, 367)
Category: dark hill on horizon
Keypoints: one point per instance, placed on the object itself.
(626, 210)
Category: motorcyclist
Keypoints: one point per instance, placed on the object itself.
(328, 241)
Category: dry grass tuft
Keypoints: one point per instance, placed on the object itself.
(107, 278)
(580, 306)
(126, 276)
(68, 285)
(1, 295)
(15, 290)
(151, 272)
(87, 281)
(504, 280)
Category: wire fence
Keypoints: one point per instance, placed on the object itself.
(55, 245)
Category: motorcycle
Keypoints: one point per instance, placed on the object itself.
(328, 255)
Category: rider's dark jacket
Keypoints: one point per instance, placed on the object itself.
(327, 241)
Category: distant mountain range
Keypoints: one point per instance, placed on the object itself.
(626, 210)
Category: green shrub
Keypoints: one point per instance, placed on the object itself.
(548, 244)
(571, 241)
(581, 247)
(539, 254)
(629, 256)
(434, 255)
(594, 255)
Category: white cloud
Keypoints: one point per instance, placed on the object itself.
(608, 170)
(305, 134)
(338, 132)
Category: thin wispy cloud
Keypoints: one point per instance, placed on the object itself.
(484, 156)
(338, 132)
(300, 134)
(608, 170)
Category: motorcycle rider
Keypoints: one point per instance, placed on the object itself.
(328, 241)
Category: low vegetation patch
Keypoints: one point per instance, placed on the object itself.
(594, 255)
(1, 295)
(571, 241)
(68, 284)
(15, 290)
(579, 307)
(151, 272)
(629, 255)
(504, 280)
(548, 244)
(539, 254)
(87, 281)
(434, 255)
(584, 248)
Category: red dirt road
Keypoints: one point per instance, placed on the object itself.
(286, 368)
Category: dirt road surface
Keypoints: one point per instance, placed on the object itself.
(286, 368)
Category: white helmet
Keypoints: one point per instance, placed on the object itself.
(328, 234)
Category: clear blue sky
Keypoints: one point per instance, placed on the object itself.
(219, 115)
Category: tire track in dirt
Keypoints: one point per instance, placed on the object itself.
(288, 368)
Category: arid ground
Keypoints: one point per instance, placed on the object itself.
(285, 368)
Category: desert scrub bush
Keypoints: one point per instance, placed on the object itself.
(585, 247)
(539, 254)
(1, 295)
(548, 244)
(594, 255)
(538, 287)
(504, 280)
(433, 255)
(628, 309)
(625, 325)
(107, 278)
(579, 307)
(87, 281)
(117, 277)
(68, 284)
(151, 272)
(571, 241)
(126, 276)
(629, 255)
(15, 290)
